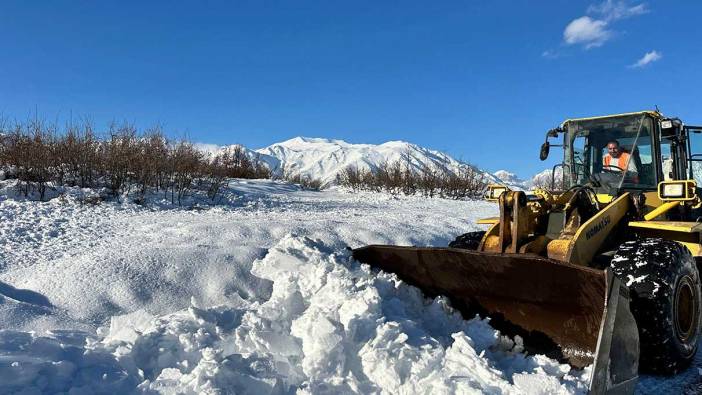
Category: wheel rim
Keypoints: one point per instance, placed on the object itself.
(686, 309)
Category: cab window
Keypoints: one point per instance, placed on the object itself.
(613, 152)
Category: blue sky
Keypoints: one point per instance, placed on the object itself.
(481, 81)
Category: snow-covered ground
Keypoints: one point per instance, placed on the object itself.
(258, 295)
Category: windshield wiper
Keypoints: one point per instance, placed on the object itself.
(631, 156)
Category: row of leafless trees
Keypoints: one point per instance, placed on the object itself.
(41, 156)
(304, 180)
(398, 178)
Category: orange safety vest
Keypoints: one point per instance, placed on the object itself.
(622, 161)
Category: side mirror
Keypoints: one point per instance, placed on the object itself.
(545, 148)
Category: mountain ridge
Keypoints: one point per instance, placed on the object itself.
(324, 159)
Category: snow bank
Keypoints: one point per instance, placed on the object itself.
(93, 262)
(329, 326)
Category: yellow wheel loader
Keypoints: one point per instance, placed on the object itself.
(599, 269)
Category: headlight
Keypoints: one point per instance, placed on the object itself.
(673, 191)
(494, 192)
(497, 192)
(682, 190)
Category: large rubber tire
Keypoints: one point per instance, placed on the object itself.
(664, 287)
(468, 241)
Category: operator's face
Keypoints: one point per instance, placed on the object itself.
(613, 150)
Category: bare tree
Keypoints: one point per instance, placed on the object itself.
(40, 156)
(400, 177)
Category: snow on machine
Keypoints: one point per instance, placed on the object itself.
(601, 268)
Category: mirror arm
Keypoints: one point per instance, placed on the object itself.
(553, 132)
(545, 147)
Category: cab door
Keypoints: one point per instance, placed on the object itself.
(693, 153)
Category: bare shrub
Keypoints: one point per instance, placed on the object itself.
(306, 182)
(18, 157)
(351, 177)
(399, 177)
(303, 180)
(119, 153)
(311, 183)
(125, 161)
(87, 161)
(29, 150)
(217, 174)
(42, 156)
(187, 163)
(260, 170)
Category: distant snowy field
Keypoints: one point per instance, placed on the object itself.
(258, 295)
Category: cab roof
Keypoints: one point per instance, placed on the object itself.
(654, 114)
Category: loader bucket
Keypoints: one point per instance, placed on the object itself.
(575, 314)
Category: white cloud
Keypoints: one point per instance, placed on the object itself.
(649, 57)
(611, 10)
(594, 30)
(587, 31)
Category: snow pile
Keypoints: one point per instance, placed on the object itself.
(329, 326)
(361, 331)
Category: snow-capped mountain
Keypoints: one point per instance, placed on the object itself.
(511, 180)
(323, 159)
(212, 150)
(542, 179)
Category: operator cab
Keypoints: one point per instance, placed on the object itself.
(626, 152)
(612, 153)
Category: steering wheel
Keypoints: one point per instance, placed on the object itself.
(609, 169)
(584, 199)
